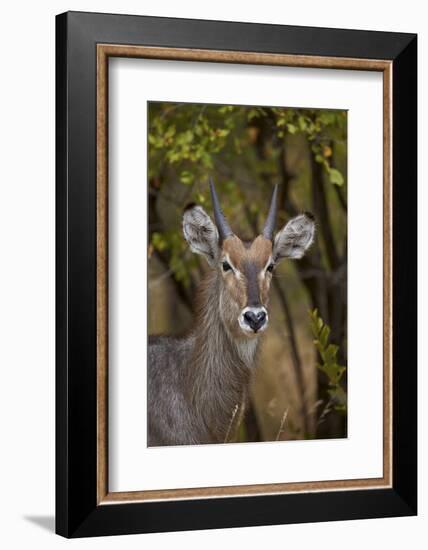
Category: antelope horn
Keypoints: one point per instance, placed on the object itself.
(223, 227)
(270, 222)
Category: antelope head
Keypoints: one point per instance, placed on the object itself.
(245, 268)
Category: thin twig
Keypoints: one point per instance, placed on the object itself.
(281, 427)
(325, 412)
(235, 410)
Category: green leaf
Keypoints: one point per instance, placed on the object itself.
(330, 353)
(333, 371)
(223, 132)
(252, 113)
(324, 335)
(170, 132)
(329, 366)
(336, 177)
(226, 109)
(186, 177)
(302, 123)
(159, 241)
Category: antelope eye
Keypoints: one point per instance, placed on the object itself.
(226, 266)
(270, 268)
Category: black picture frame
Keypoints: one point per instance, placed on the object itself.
(77, 511)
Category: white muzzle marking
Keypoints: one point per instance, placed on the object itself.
(256, 311)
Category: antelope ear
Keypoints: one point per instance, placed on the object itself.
(201, 233)
(294, 238)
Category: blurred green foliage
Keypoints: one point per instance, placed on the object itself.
(187, 142)
(191, 137)
(328, 363)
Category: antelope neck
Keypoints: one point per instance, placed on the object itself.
(221, 364)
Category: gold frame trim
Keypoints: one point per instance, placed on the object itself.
(104, 51)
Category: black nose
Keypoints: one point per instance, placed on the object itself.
(255, 320)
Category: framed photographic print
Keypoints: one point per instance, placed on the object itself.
(236, 274)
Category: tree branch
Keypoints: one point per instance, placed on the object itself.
(321, 212)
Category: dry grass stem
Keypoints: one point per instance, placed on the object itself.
(281, 427)
(235, 410)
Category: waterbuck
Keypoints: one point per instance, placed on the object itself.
(197, 382)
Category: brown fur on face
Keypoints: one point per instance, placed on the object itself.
(248, 282)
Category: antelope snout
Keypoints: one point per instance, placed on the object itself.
(253, 319)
